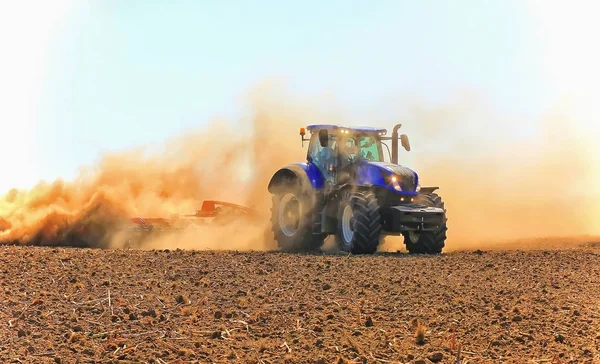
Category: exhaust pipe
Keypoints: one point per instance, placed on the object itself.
(395, 138)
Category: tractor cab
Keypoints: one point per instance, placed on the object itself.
(334, 148)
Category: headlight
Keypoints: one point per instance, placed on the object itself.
(418, 187)
(394, 180)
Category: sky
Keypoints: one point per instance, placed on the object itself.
(81, 77)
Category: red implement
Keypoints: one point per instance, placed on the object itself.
(210, 209)
(212, 213)
(216, 211)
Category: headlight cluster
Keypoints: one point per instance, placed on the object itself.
(394, 180)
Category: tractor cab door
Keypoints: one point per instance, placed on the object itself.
(323, 157)
(349, 153)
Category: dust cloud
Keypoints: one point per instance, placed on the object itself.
(224, 161)
(507, 182)
(499, 185)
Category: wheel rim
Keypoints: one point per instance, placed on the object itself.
(289, 215)
(414, 236)
(347, 222)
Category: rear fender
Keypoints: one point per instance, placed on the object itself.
(307, 176)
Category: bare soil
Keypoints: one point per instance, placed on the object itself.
(69, 305)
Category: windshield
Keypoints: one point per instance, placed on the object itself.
(362, 146)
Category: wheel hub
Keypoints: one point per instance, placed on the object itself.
(414, 236)
(348, 223)
(289, 214)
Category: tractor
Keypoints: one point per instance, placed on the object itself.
(347, 189)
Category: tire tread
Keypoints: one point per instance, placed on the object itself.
(431, 242)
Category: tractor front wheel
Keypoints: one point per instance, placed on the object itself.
(359, 223)
(429, 242)
(291, 221)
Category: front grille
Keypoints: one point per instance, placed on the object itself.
(408, 183)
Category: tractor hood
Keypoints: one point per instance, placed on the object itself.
(407, 178)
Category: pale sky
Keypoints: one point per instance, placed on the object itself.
(80, 77)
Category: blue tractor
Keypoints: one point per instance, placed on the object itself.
(347, 189)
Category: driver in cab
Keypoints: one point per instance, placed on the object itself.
(349, 151)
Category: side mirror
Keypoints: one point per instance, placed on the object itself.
(324, 137)
(405, 142)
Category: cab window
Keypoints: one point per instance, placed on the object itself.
(323, 157)
(369, 148)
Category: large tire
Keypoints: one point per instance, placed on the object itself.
(292, 220)
(359, 223)
(429, 242)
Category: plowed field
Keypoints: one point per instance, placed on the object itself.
(60, 305)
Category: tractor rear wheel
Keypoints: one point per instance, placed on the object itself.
(359, 223)
(428, 242)
(292, 221)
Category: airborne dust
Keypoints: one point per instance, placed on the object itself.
(501, 179)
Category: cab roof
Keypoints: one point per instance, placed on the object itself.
(363, 129)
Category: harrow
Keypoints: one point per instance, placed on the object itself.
(213, 213)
